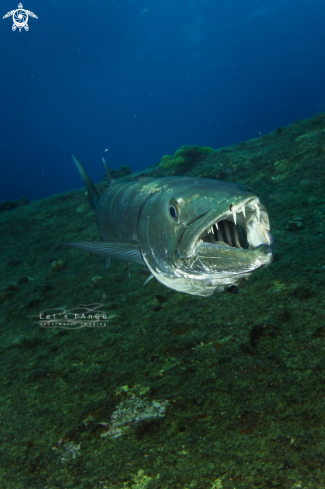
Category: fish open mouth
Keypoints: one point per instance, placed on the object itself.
(243, 225)
(225, 233)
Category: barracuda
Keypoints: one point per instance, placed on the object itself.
(195, 235)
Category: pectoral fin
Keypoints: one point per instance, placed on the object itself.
(121, 250)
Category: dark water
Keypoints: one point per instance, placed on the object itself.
(143, 78)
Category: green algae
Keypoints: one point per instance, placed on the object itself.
(242, 375)
(184, 159)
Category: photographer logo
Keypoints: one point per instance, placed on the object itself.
(20, 18)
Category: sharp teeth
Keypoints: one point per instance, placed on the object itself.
(244, 211)
(216, 224)
(235, 218)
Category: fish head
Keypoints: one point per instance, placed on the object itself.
(200, 235)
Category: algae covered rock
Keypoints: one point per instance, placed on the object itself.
(295, 223)
(7, 205)
(57, 265)
(121, 172)
(185, 158)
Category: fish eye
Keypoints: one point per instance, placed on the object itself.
(173, 212)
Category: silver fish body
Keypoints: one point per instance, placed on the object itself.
(195, 235)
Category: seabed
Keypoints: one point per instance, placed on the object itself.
(173, 391)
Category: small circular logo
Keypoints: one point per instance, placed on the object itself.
(20, 18)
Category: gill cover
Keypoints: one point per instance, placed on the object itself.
(158, 235)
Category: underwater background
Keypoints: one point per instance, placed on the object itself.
(171, 390)
(141, 79)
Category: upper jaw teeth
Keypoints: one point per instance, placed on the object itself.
(254, 214)
(252, 205)
(234, 211)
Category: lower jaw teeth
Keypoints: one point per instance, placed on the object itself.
(213, 241)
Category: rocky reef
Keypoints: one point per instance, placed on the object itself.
(222, 392)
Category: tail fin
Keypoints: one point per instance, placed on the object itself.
(93, 195)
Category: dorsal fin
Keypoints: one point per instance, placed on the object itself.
(109, 176)
(93, 195)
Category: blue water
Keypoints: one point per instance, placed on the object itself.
(141, 78)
